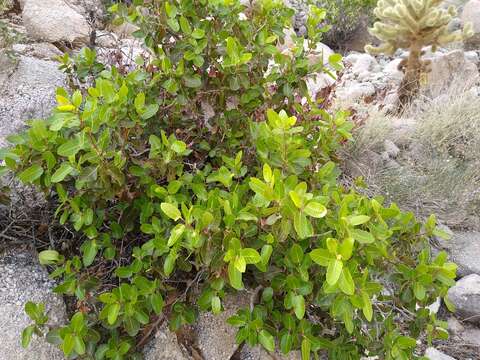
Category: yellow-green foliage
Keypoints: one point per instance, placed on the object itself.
(404, 22)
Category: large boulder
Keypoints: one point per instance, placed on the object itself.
(471, 13)
(465, 295)
(23, 280)
(28, 92)
(451, 69)
(55, 21)
(463, 249)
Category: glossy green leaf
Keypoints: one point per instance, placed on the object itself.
(171, 211)
(334, 270)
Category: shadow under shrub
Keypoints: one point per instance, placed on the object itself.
(209, 167)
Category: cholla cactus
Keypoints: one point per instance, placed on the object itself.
(413, 24)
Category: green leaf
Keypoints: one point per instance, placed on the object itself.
(251, 256)
(346, 283)
(267, 340)
(358, 219)
(171, 211)
(315, 209)
(169, 263)
(346, 248)
(64, 170)
(240, 263)
(321, 256)
(89, 249)
(68, 344)
(192, 81)
(419, 291)
(198, 34)
(156, 300)
(27, 335)
(31, 174)
(362, 236)
(406, 342)
(367, 306)
(306, 348)
(296, 254)
(70, 148)
(216, 305)
(149, 111)
(302, 226)
(234, 276)
(299, 306)
(112, 313)
(334, 270)
(79, 345)
(48, 257)
(175, 234)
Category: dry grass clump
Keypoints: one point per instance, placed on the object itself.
(438, 167)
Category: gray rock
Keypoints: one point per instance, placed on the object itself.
(451, 69)
(463, 249)
(352, 91)
(210, 328)
(434, 354)
(29, 92)
(465, 295)
(391, 149)
(23, 280)
(43, 51)
(213, 337)
(55, 21)
(165, 347)
(363, 63)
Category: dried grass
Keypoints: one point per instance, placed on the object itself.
(438, 169)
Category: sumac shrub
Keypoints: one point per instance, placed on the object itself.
(207, 170)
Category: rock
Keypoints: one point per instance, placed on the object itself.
(321, 53)
(434, 354)
(473, 56)
(391, 149)
(210, 328)
(28, 93)
(44, 51)
(465, 295)
(55, 21)
(463, 249)
(451, 69)
(362, 63)
(259, 353)
(471, 13)
(23, 280)
(454, 326)
(165, 347)
(125, 30)
(106, 39)
(392, 72)
(352, 91)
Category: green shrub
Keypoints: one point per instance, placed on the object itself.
(188, 170)
(346, 17)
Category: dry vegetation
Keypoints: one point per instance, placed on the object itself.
(438, 167)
